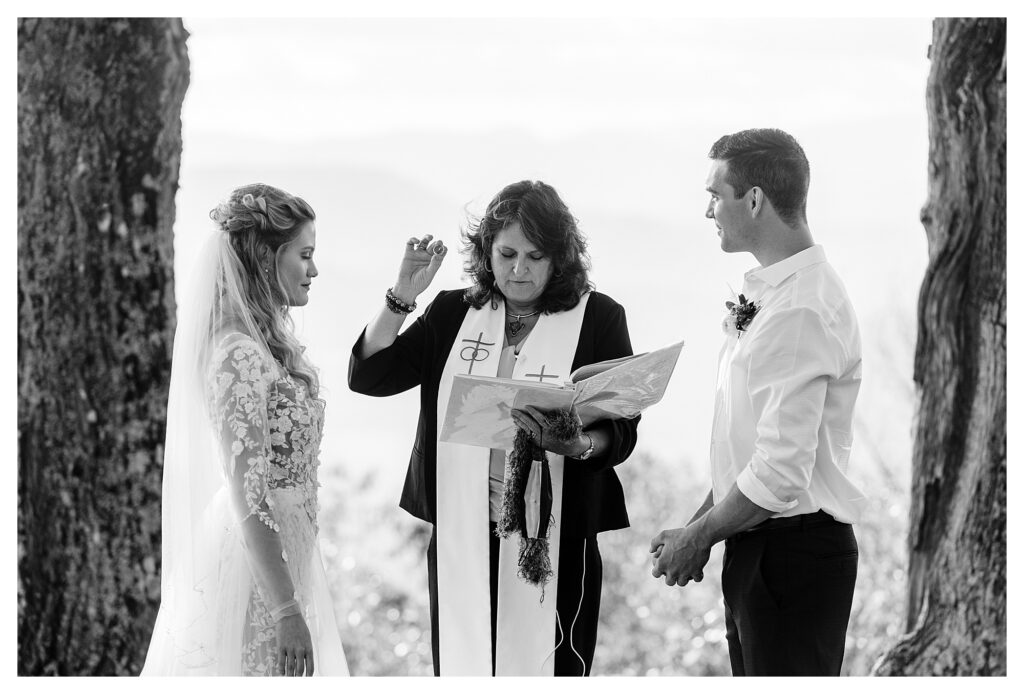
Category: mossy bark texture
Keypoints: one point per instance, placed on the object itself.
(99, 147)
(956, 606)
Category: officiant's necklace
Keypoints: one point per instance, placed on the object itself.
(515, 326)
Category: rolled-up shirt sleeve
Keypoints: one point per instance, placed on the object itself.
(792, 358)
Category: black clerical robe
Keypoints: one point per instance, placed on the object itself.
(592, 499)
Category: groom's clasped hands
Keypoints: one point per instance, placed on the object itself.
(680, 554)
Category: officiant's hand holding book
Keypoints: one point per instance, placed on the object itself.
(479, 410)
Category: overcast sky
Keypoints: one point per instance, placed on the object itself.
(396, 127)
(392, 127)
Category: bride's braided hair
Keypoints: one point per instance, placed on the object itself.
(260, 220)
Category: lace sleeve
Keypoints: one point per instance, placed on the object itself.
(241, 380)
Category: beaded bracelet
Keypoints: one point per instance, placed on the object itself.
(396, 305)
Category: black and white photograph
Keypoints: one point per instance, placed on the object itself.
(537, 341)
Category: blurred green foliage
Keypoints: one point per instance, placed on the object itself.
(375, 557)
(376, 562)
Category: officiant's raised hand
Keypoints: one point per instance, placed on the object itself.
(680, 554)
(420, 262)
(558, 432)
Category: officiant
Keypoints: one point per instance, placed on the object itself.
(531, 314)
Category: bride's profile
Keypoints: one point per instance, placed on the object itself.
(244, 590)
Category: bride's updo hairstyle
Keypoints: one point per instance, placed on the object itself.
(260, 220)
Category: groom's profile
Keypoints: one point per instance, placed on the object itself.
(788, 379)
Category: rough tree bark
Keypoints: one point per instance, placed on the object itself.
(956, 611)
(99, 145)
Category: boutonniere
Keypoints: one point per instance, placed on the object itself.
(739, 316)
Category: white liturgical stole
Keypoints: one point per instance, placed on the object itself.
(526, 626)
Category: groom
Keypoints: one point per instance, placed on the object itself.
(788, 378)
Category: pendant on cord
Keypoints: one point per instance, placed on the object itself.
(516, 326)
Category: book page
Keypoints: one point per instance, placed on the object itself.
(628, 387)
(480, 408)
(589, 370)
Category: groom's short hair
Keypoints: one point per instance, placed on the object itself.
(772, 160)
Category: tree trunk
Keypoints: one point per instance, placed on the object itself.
(956, 608)
(99, 146)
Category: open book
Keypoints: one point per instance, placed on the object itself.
(479, 410)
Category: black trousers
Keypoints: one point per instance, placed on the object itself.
(788, 591)
(579, 591)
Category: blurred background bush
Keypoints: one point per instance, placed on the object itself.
(379, 579)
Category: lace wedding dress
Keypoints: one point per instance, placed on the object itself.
(259, 559)
(270, 429)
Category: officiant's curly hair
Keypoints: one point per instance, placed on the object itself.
(261, 220)
(547, 224)
(771, 159)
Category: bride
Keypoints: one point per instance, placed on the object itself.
(243, 587)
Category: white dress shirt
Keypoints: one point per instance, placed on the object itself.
(787, 385)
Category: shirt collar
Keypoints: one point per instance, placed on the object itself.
(776, 273)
